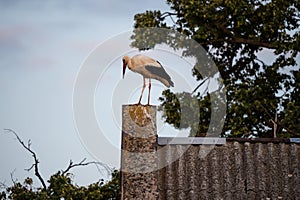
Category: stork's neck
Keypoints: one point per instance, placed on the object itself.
(129, 64)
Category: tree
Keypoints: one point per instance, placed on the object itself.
(60, 185)
(262, 98)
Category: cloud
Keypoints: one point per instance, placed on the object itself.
(110, 8)
(12, 43)
(41, 61)
(54, 36)
(10, 33)
(83, 45)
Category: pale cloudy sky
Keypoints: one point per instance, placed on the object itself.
(42, 46)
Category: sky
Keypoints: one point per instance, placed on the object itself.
(45, 48)
(43, 45)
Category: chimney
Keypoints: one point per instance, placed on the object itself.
(139, 175)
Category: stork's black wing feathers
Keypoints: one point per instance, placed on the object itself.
(159, 71)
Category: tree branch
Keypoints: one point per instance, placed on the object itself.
(30, 168)
(235, 39)
(83, 163)
(276, 121)
(200, 85)
(168, 14)
(36, 161)
(12, 177)
(253, 42)
(3, 185)
(261, 44)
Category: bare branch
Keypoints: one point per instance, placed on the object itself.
(12, 177)
(36, 161)
(199, 85)
(29, 143)
(30, 168)
(275, 125)
(3, 185)
(168, 14)
(271, 119)
(83, 163)
(262, 62)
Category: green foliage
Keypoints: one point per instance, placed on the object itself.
(61, 187)
(178, 111)
(262, 97)
(291, 115)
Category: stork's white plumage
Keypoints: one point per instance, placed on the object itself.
(148, 68)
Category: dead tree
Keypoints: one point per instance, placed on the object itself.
(35, 165)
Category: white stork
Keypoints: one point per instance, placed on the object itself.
(148, 68)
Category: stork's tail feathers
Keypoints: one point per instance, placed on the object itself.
(167, 83)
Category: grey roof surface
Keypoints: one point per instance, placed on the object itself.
(238, 169)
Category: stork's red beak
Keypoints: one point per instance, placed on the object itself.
(124, 69)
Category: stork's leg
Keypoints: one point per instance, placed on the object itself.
(149, 91)
(142, 91)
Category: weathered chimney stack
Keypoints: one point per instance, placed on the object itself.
(139, 175)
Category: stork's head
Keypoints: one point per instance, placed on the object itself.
(125, 63)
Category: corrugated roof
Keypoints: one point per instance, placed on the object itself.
(239, 169)
(203, 168)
